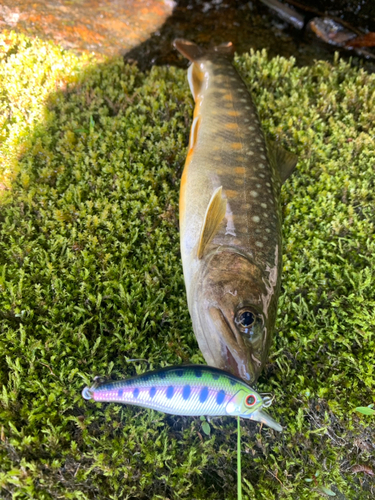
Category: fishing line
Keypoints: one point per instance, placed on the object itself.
(239, 482)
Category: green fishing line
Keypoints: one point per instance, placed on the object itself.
(239, 487)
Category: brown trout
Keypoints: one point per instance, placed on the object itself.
(230, 220)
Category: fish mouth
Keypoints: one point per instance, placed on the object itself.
(233, 356)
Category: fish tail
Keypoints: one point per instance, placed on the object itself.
(194, 52)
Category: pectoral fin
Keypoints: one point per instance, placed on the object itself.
(215, 213)
(281, 159)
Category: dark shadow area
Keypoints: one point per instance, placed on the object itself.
(248, 25)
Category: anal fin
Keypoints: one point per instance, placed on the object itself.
(215, 213)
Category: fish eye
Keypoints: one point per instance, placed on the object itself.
(250, 400)
(245, 319)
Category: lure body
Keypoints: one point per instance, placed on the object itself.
(230, 218)
(186, 390)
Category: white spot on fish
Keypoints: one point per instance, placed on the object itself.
(259, 244)
(254, 194)
(258, 185)
(258, 139)
(268, 184)
(257, 230)
(263, 205)
(251, 127)
(268, 230)
(243, 100)
(255, 218)
(263, 157)
(250, 153)
(246, 120)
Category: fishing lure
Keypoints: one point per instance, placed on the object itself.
(191, 390)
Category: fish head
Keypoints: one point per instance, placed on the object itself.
(234, 313)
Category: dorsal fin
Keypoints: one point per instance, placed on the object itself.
(214, 215)
(284, 161)
(190, 50)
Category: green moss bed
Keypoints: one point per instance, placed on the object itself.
(91, 154)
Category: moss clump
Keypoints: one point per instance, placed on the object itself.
(90, 276)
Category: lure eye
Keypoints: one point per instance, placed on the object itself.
(250, 400)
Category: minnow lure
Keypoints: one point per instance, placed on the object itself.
(230, 217)
(192, 390)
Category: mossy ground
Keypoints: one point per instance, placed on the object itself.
(92, 153)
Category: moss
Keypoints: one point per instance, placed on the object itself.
(90, 276)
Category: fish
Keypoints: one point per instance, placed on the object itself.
(188, 390)
(230, 216)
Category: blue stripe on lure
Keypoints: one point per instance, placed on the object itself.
(191, 390)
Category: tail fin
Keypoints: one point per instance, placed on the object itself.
(193, 52)
(188, 49)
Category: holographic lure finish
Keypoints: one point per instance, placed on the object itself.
(192, 390)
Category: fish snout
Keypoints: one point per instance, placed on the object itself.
(229, 350)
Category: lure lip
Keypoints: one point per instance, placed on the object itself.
(264, 418)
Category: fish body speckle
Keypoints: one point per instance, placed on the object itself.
(230, 221)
